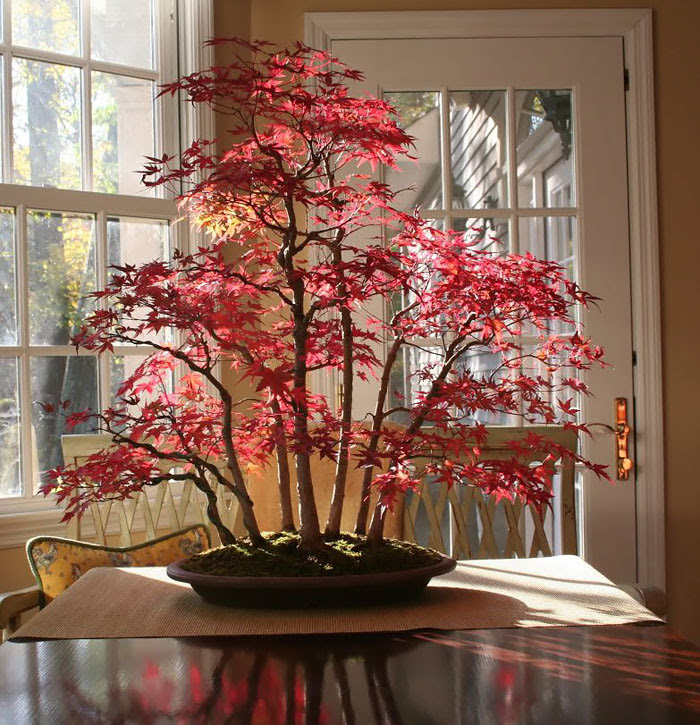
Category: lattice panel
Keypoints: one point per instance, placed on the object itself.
(463, 522)
(163, 508)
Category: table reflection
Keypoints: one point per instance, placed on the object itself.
(494, 676)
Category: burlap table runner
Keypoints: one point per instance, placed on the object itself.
(144, 602)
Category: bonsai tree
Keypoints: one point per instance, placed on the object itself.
(304, 241)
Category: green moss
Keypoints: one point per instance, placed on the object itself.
(281, 556)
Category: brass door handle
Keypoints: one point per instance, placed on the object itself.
(622, 431)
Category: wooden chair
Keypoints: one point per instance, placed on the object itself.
(463, 522)
(145, 518)
(58, 562)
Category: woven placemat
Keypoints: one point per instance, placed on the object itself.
(143, 602)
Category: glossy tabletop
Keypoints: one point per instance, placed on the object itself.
(605, 674)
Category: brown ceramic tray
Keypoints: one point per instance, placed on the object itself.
(311, 591)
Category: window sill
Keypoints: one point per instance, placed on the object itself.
(16, 528)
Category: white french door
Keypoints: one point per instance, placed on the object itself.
(522, 141)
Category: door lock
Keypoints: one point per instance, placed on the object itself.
(622, 431)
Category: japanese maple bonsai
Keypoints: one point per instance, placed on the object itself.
(304, 241)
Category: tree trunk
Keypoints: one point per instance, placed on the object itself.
(363, 511)
(244, 501)
(283, 478)
(239, 487)
(225, 534)
(309, 529)
(341, 472)
(376, 526)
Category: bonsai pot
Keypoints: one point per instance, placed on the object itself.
(292, 592)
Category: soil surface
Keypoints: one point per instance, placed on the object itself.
(281, 556)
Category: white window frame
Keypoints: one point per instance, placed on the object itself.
(179, 51)
(634, 26)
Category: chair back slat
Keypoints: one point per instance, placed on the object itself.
(460, 538)
(486, 508)
(515, 544)
(125, 522)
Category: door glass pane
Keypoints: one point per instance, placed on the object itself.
(8, 293)
(52, 25)
(554, 239)
(421, 180)
(10, 468)
(563, 381)
(46, 124)
(61, 271)
(122, 31)
(487, 369)
(422, 366)
(122, 132)
(488, 234)
(545, 145)
(55, 380)
(478, 149)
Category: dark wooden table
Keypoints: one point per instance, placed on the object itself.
(605, 674)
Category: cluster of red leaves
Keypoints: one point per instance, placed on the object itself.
(273, 310)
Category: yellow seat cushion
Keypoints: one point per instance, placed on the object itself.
(57, 562)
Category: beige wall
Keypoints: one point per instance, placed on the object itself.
(678, 110)
(14, 570)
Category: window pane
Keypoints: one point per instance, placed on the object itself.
(47, 24)
(122, 367)
(10, 468)
(8, 293)
(419, 116)
(545, 149)
(46, 124)
(122, 31)
(61, 270)
(137, 241)
(560, 391)
(122, 132)
(478, 149)
(54, 380)
(489, 234)
(427, 360)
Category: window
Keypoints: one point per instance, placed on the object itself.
(79, 78)
(469, 180)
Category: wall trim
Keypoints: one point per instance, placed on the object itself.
(16, 528)
(195, 25)
(634, 26)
